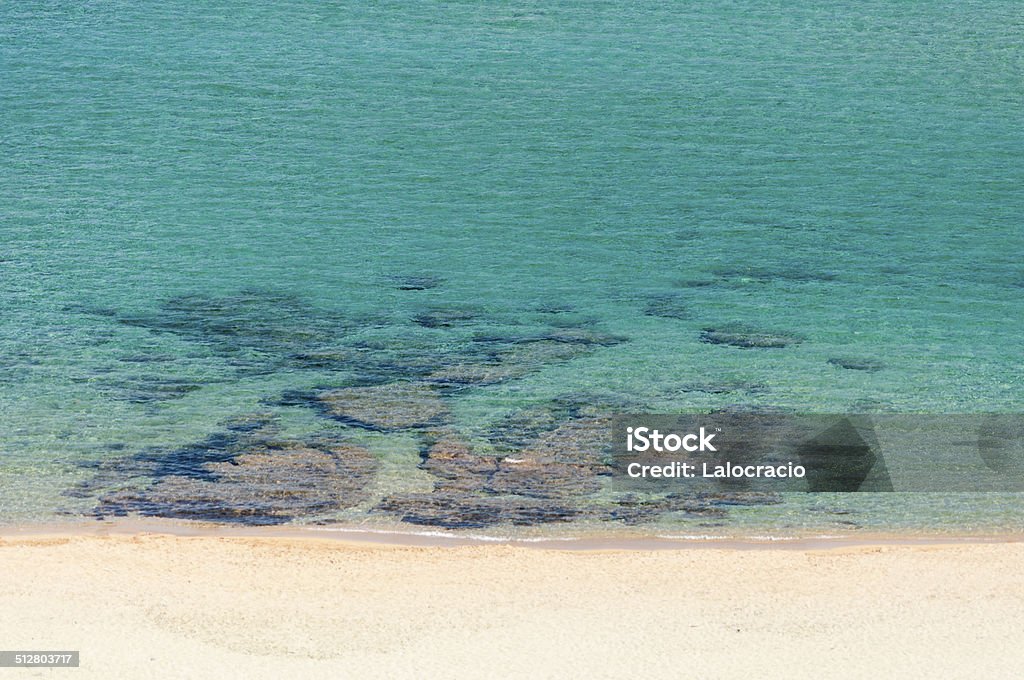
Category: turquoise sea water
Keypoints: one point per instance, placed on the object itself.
(210, 212)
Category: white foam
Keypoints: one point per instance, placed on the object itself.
(448, 536)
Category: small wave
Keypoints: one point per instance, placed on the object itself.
(487, 538)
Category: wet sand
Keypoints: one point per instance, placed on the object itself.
(161, 605)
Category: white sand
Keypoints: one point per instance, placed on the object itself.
(230, 607)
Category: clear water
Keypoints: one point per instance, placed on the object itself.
(849, 173)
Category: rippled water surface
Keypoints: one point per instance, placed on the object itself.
(316, 262)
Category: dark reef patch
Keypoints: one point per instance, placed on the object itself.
(523, 426)
(242, 475)
(539, 464)
(533, 478)
(733, 498)
(192, 459)
(268, 486)
(748, 337)
(587, 337)
(247, 473)
(857, 364)
(667, 306)
(250, 422)
(554, 477)
(564, 463)
(567, 336)
(454, 465)
(386, 408)
(335, 359)
(446, 317)
(490, 359)
(146, 389)
(462, 511)
(724, 387)
(260, 332)
(484, 371)
(253, 328)
(548, 481)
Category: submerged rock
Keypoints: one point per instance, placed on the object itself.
(330, 359)
(145, 390)
(667, 306)
(581, 441)
(737, 498)
(481, 372)
(389, 407)
(268, 485)
(857, 364)
(688, 504)
(523, 427)
(250, 422)
(445, 318)
(554, 468)
(455, 467)
(297, 467)
(747, 337)
(256, 329)
(561, 335)
(631, 510)
(563, 463)
(461, 511)
(583, 336)
(536, 479)
(508, 358)
(527, 357)
(518, 429)
(549, 481)
(725, 387)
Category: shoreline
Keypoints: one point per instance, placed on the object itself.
(356, 535)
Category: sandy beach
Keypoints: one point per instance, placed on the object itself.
(157, 605)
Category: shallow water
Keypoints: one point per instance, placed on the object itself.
(208, 214)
